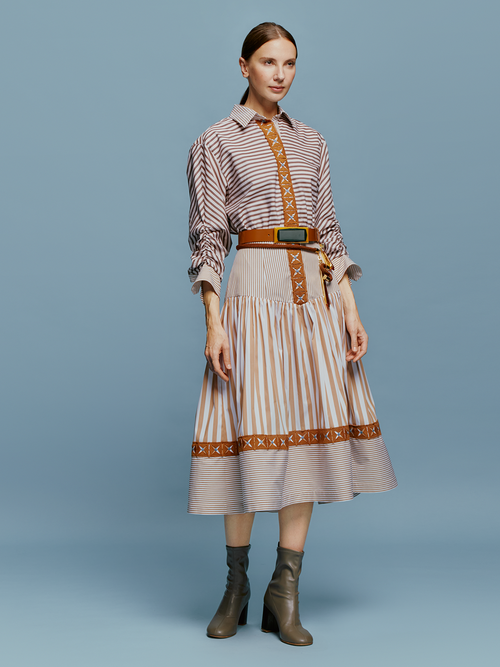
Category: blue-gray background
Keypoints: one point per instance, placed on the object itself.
(102, 341)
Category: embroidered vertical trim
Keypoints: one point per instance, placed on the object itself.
(295, 262)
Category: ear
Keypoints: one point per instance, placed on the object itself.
(243, 66)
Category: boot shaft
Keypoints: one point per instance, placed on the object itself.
(237, 562)
(287, 569)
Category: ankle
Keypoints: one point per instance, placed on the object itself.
(298, 547)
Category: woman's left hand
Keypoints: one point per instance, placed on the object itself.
(358, 335)
(356, 331)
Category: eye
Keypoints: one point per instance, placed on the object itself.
(268, 62)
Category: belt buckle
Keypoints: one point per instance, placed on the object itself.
(291, 235)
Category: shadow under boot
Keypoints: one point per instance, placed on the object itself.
(281, 600)
(233, 608)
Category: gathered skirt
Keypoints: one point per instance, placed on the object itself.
(296, 422)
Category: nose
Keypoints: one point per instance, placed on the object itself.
(279, 74)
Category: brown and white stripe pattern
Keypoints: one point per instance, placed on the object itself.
(234, 185)
(295, 423)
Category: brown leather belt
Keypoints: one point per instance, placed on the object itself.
(279, 235)
(261, 238)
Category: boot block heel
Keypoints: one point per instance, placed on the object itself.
(269, 623)
(243, 616)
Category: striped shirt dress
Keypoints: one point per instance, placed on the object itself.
(296, 422)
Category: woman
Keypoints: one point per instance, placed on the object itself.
(285, 416)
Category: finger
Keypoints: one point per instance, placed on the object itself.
(221, 374)
(225, 357)
(217, 368)
(354, 341)
(209, 359)
(362, 348)
(356, 351)
(357, 357)
(213, 361)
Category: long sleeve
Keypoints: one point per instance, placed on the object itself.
(328, 225)
(209, 236)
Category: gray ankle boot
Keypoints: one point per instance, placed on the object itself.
(281, 600)
(233, 608)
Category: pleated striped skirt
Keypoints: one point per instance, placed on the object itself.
(296, 422)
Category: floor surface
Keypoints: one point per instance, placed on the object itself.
(148, 603)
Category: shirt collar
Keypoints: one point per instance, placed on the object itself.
(243, 115)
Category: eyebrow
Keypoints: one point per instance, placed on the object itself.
(274, 59)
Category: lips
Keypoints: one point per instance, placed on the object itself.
(277, 89)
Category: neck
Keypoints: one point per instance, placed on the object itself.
(261, 106)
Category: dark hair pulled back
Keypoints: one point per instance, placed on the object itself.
(262, 33)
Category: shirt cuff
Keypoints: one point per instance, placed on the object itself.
(344, 264)
(210, 276)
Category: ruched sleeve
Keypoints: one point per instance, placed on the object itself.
(328, 225)
(209, 236)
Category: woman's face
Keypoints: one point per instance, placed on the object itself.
(270, 70)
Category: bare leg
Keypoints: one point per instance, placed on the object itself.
(238, 529)
(294, 524)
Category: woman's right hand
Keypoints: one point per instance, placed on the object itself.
(217, 351)
(217, 346)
